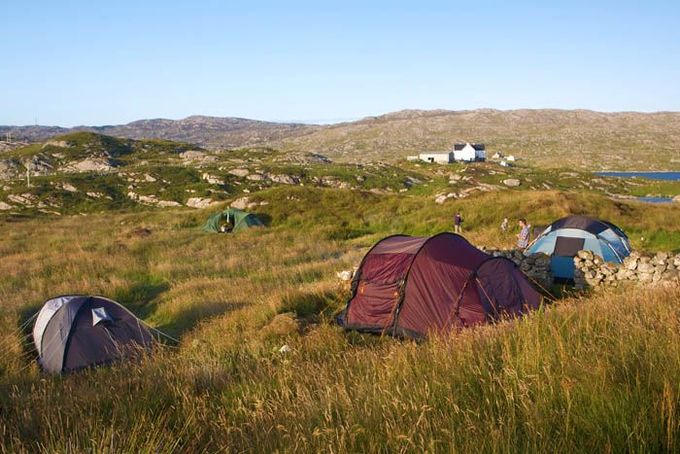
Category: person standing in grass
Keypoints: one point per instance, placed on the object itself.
(524, 234)
(458, 223)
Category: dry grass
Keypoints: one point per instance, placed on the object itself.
(595, 373)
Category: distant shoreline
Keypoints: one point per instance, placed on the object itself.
(658, 175)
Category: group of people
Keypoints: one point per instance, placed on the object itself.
(523, 236)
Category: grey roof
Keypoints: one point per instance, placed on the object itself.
(476, 146)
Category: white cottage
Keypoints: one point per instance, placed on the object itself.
(469, 152)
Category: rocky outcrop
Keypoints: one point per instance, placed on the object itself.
(152, 200)
(56, 143)
(646, 269)
(9, 169)
(5, 206)
(284, 179)
(26, 200)
(201, 202)
(168, 204)
(98, 195)
(256, 177)
(212, 179)
(68, 187)
(242, 203)
(241, 173)
(192, 155)
(93, 164)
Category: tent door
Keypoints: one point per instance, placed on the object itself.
(567, 246)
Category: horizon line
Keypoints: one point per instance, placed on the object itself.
(341, 120)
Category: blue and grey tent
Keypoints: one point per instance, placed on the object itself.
(565, 237)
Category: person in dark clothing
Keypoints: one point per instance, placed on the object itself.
(458, 223)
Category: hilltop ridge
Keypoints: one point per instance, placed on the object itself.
(581, 138)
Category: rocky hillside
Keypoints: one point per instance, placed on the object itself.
(85, 172)
(549, 138)
(579, 138)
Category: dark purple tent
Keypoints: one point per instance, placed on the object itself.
(76, 331)
(412, 286)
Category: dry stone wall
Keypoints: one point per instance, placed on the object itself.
(658, 269)
(535, 266)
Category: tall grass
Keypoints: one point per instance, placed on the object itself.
(591, 373)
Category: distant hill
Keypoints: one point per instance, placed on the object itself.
(548, 138)
(209, 132)
(545, 137)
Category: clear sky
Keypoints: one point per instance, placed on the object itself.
(95, 62)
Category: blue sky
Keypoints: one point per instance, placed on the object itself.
(86, 62)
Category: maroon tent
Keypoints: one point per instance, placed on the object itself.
(411, 286)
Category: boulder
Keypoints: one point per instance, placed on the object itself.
(411, 181)
(585, 255)
(284, 179)
(212, 179)
(241, 203)
(168, 203)
(5, 206)
(645, 268)
(192, 155)
(512, 182)
(255, 177)
(239, 172)
(200, 202)
(630, 263)
(22, 199)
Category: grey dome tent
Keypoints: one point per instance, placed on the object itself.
(565, 237)
(76, 331)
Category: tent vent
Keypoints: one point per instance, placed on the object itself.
(99, 314)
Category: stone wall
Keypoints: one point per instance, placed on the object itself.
(535, 266)
(647, 269)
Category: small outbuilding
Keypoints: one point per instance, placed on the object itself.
(437, 157)
(413, 286)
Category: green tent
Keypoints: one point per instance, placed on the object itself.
(240, 220)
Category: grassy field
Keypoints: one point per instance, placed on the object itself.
(598, 372)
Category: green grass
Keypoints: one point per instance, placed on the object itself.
(598, 373)
(590, 373)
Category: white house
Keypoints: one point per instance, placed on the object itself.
(469, 152)
(439, 157)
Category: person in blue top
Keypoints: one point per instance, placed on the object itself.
(524, 234)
